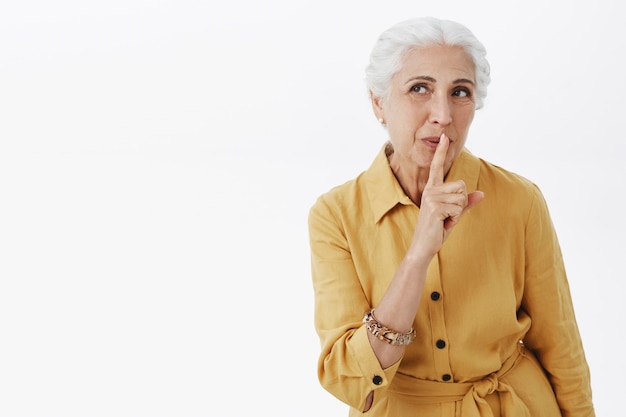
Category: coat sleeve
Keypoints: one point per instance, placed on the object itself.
(554, 334)
(347, 365)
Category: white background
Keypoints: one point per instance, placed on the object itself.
(158, 160)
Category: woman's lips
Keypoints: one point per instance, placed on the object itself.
(431, 141)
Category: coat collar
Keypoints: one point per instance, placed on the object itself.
(384, 190)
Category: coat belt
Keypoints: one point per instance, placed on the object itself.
(471, 394)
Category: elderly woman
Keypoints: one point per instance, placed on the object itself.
(440, 288)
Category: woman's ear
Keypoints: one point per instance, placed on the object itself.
(377, 106)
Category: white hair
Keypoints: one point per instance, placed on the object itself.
(391, 47)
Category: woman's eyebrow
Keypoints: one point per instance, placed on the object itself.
(432, 80)
(421, 78)
(463, 81)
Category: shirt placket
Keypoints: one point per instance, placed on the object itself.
(439, 335)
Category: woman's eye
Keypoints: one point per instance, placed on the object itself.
(418, 89)
(462, 92)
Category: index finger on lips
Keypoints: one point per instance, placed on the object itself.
(435, 177)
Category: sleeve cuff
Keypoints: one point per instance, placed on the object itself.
(376, 376)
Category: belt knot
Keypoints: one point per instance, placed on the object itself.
(475, 405)
(486, 386)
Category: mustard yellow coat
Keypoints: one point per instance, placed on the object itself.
(496, 331)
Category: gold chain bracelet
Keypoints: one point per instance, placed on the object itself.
(386, 334)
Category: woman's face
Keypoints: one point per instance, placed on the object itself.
(433, 93)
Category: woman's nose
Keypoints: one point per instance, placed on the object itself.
(440, 111)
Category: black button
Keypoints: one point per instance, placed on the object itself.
(377, 380)
(446, 377)
(435, 296)
(440, 344)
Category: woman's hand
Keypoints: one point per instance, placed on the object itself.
(441, 207)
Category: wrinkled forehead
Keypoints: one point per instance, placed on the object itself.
(438, 62)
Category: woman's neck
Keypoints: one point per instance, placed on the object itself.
(411, 177)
